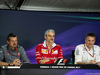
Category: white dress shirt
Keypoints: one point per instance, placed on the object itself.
(83, 54)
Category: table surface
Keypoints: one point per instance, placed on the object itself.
(37, 69)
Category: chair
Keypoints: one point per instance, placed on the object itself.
(73, 56)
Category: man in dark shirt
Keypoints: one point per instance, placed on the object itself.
(11, 53)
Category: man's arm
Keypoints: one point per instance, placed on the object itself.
(98, 55)
(16, 62)
(2, 58)
(60, 55)
(23, 55)
(98, 63)
(3, 63)
(91, 62)
(43, 61)
(78, 55)
(38, 54)
(39, 57)
(48, 61)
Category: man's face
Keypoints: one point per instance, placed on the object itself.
(90, 41)
(12, 42)
(50, 37)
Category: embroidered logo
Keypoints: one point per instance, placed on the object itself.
(55, 52)
(7, 53)
(44, 51)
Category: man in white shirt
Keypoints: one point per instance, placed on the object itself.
(88, 53)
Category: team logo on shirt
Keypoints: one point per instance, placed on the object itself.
(55, 52)
(7, 53)
(18, 54)
(45, 51)
(52, 51)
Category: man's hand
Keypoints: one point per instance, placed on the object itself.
(98, 64)
(55, 61)
(93, 62)
(16, 62)
(44, 60)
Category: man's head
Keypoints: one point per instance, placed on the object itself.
(49, 35)
(90, 40)
(12, 40)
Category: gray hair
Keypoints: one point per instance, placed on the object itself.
(49, 30)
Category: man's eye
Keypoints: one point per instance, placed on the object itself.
(49, 35)
(12, 41)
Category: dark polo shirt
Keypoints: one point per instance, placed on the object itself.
(8, 55)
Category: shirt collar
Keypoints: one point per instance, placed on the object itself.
(44, 44)
(87, 48)
(10, 48)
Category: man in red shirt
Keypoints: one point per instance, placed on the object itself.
(48, 52)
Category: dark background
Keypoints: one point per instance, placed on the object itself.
(29, 26)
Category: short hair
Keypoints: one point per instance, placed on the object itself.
(90, 34)
(49, 30)
(11, 35)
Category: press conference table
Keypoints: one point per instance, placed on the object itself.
(37, 69)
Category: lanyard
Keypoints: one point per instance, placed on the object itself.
(88, 52)
(13, 54)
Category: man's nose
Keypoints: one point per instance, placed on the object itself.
(52, 37)
(15, 42)
(91, 42)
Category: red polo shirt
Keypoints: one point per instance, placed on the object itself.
(42, 52)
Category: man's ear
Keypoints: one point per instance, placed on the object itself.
(7, 42)
(85, 40)
(45, 37)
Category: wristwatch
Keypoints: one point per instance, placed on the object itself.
(49, 60)
(8, 63)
